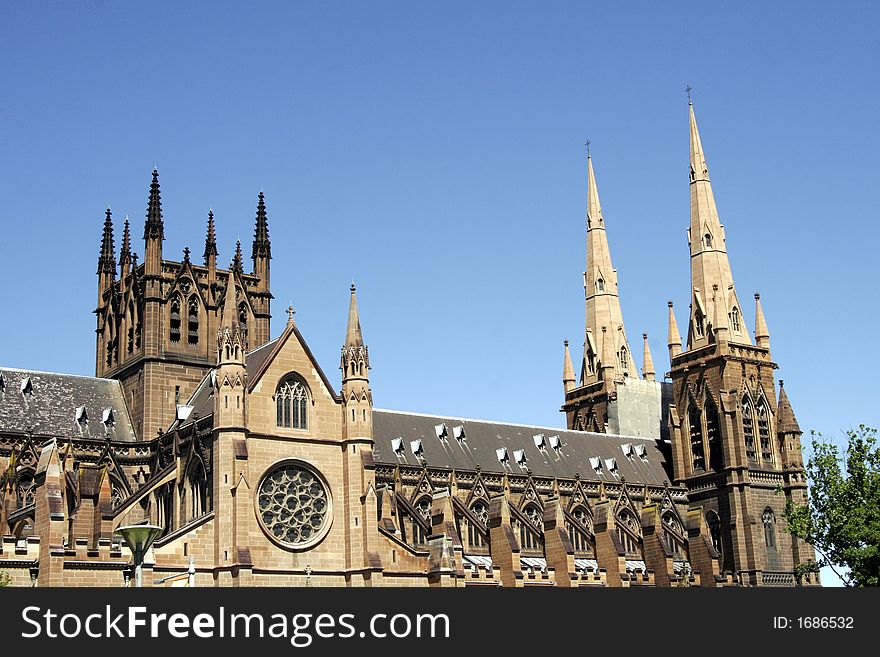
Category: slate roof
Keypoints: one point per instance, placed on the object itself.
(483, 438)
(50, 409)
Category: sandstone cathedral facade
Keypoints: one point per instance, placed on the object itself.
(261, 473)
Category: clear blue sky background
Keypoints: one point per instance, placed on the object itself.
(434, 153)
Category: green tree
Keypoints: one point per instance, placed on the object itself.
(841, 519)
(5, 579)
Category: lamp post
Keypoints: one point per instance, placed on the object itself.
(139, 538)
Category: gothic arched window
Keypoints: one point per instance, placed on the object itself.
(192, 324)
(477, 534)
(627, 538)
(698, 322)
(25, 491)
(708, 239)
(624, 360)
(674, 535)
(291, 403)
(600, 285)
(197, 489)
(174, 320)
(529, 532)
(749, 430)
(713, 436)
(764, 432)
(579, 531)
(695, 428)
(243, 322)
(714, 523)
(423, 508)
(769, 520)
(734, 319)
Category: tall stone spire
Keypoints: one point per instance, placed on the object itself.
(107, 259)
(236, 264)
(353, 336)
(762, 334)
(210, 242)
(125, 251)
(709, 264)
(602, 301)
(357, 397)
(674, 339)
(262, 248)
(154, 229)
(647, 362)
(568, 380)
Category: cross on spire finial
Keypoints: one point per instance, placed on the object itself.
(688, 89)
(587, 144)
(290, 313)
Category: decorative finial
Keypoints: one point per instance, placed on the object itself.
(644, 336)
(669, 303)
(587, 144)
(688, 89)
(757, 296)
(565, 342)
(186, 254)
(353, 288)
(781, 383)
(290, 313)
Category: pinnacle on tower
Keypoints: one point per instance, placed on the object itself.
(710, 267)
(210, 241)
(125, 250)
(648, 362)
(786, 422)
(674, 339)
(353, 335)
(601, 291)
(154, 228)
(236, 264)
(567, 370)
(762, 334)
(107, 259)
(261, 247)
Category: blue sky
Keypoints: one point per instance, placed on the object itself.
(434, 153)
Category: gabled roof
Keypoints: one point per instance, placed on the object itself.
(56, 401)
(483, 439)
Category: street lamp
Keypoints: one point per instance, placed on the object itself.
(139, 538)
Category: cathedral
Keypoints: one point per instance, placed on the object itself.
(262, 471)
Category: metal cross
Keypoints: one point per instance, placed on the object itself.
(290, 313)
(587, 144)
(688, 89)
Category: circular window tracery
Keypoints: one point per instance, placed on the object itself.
(293, 505)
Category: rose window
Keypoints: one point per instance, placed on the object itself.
(293, 504)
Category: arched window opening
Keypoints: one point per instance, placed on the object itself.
(714, 523)
(129, 321)
(477, 533)
(769, 520)
(749, 430)
(529, 533)
(627, 531)
(713, 436)
(764, 433)
(624, 360)
(243, 323)
(600, 285)
(673, 535)
(698, 323)
(24, 490)
(419, 534)
(707, 238)
(291, 403)
(174, 321)
(579, 532)
(197, 490)
(734, 319)
(192, 324)
(696, 434)
(591, 361)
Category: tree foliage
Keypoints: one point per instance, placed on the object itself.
(842, 516)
